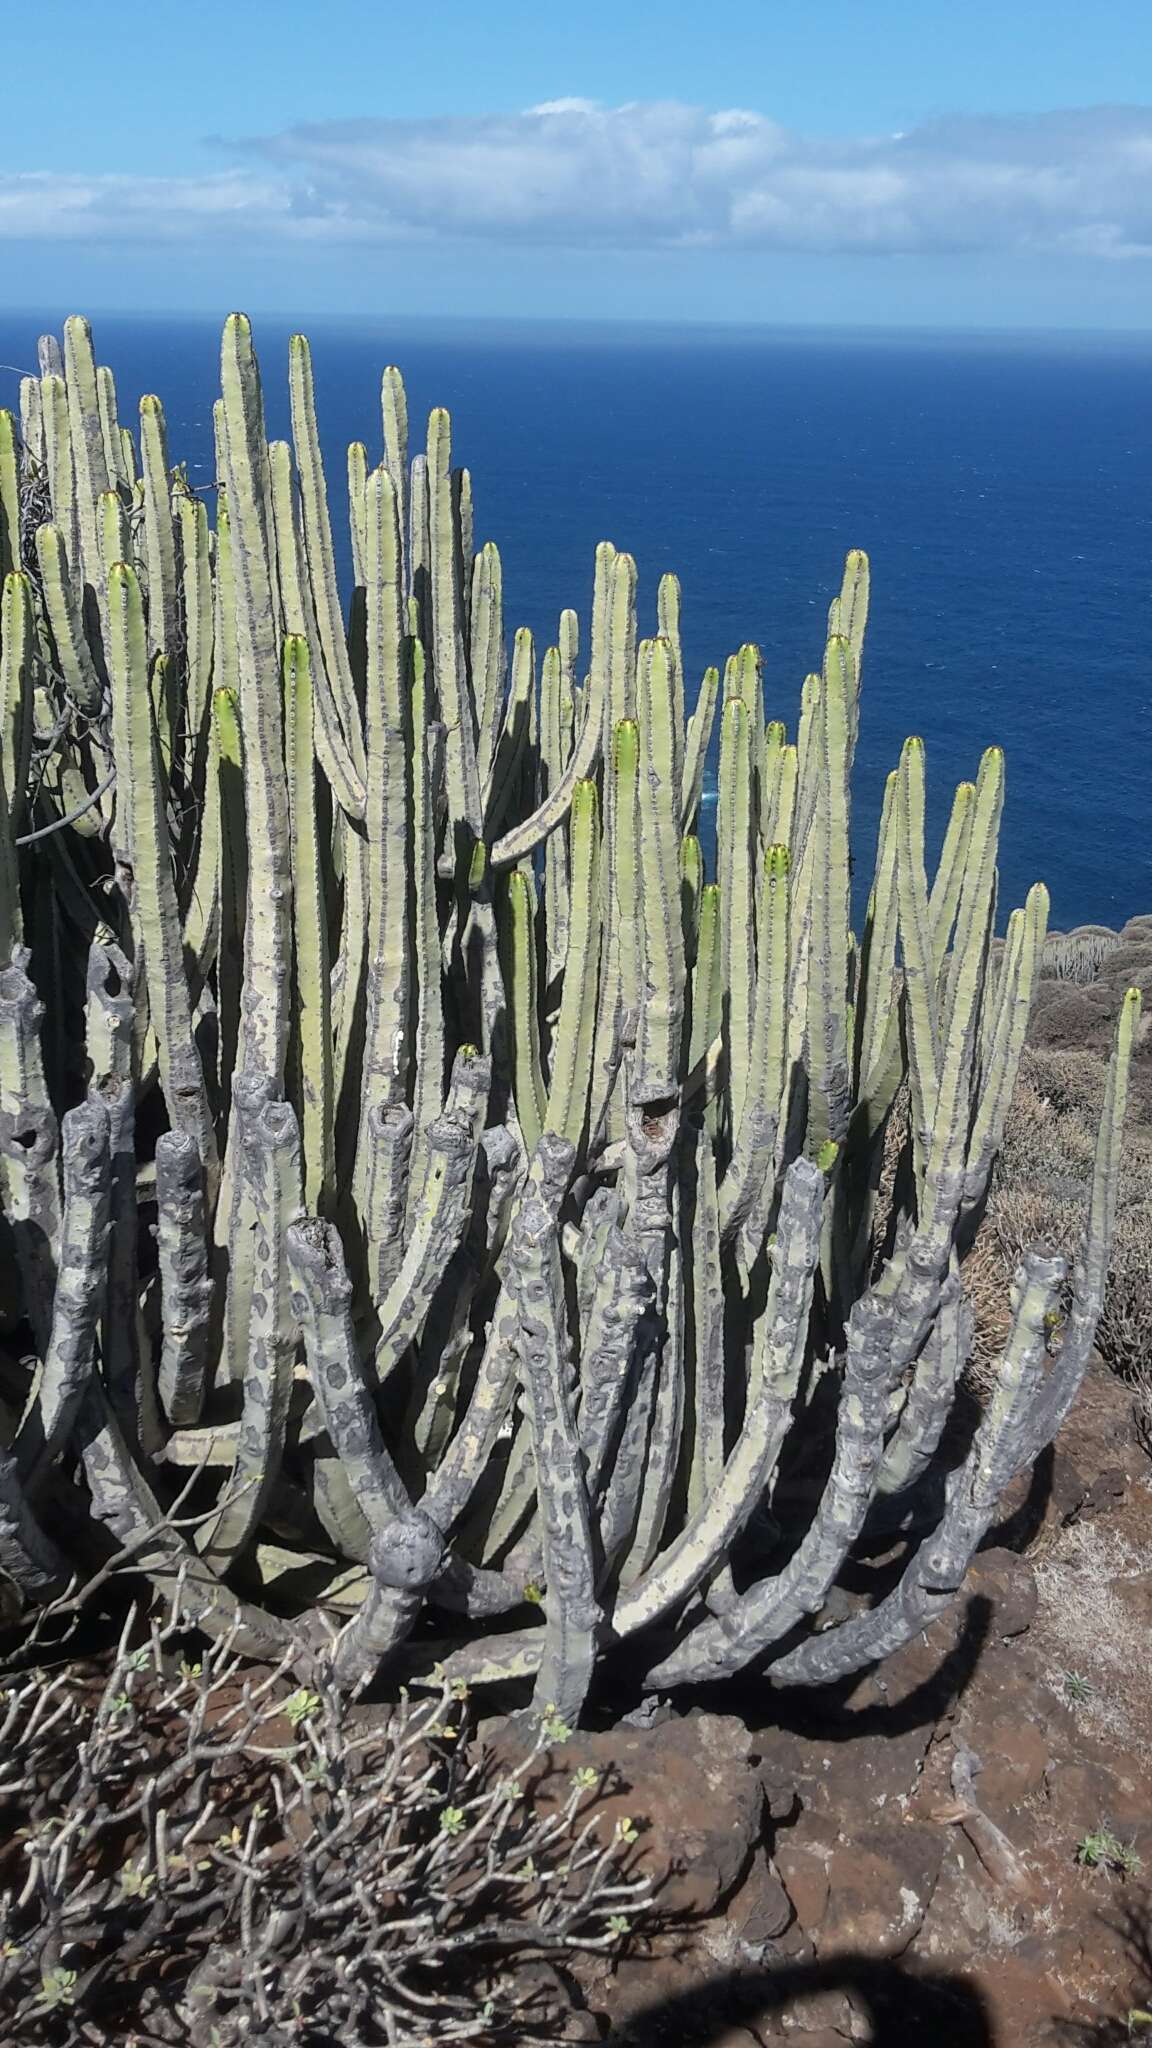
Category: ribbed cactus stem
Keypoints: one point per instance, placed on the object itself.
(312, 1020)
(876, 1025)
(78, 1300)
(270, 1143)
(404, 1559)
(267, 927)
(10, 553)
(28, 1557)
(229, 756)
(771, 1609)
(61, 476)
(567, 1108)
(440, 1214)
(322, 1304)
(321, 556)
(89, 461)
(519, 966)
(778, 1359)
(754, 1150)
(829, 1093)
(501, 788)
(62, 607)
(387, 1134)
(123, 1501)
(394, 413)
(142, 829)
(429, 1039)
(461, 1468)
(357, 484)
(461, 777)
(387, 815)
(186, 1290)
(110, 429)
(737, 900)
(159, 533)
(11, 909)
(299, 610)
(999, 1060)
(196, 600)
(668, 607)
(976, 896)
(697, 741)
(705, 1375)
(920, 997)
(945, 897)
(16, 691)
(620, 1290)
(555, 716)
(32, 422)
(661, 1002)
(29, 1160)
(571, 1612)
(113, 1055)
(936, 1572)
(486, 654)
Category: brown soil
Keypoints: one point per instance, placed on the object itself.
(900, 1865)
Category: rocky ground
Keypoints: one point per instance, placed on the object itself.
(902, 1863)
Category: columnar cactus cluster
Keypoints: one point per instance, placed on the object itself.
(430, 1197)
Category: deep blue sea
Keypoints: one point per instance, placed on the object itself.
(1002, 487)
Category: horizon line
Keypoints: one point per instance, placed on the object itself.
(577, 324)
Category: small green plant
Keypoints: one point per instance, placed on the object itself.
(300, 1706)
(135, 1881)
(1103, 1850)
(553, 1727)
(57, 1987)
(1076, 1687)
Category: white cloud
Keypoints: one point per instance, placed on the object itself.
(647, 174)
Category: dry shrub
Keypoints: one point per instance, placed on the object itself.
(1142, 1405)
(197, 1853)
(1038, 1195)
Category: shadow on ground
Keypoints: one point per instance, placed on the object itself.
(901, 2005)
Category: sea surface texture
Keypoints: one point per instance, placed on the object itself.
(1001, 485)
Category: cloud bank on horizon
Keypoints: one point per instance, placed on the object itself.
(652, 175)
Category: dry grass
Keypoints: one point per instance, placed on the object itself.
(1038, 1197)
(1088, 1626)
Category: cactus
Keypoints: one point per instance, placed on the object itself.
(514, 1181)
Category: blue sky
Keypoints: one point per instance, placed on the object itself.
(909, 161)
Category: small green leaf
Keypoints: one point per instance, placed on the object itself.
(552, 1727)
(301, 1705)
(58, 1987)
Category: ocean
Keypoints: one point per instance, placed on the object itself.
(1002, 486)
